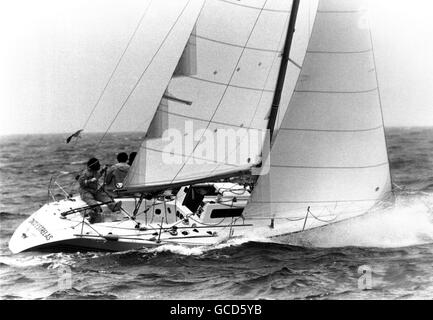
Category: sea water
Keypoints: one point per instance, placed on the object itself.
(395, 246)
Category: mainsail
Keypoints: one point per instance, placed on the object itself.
(329, 157)
(238, 49)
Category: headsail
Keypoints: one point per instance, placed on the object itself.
(148, 65)
(238, 54)
(330, 152)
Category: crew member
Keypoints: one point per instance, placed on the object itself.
(91, 192)
(116, 174)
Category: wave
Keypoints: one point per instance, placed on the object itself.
(428, 187)
(408, 223)
(10, 297)
(77, 294)
(253, 241)
(178, 249)
(11, 215)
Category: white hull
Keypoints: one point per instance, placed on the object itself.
(46, 229)
(156, 223)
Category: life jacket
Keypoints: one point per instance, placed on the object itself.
(116, 174)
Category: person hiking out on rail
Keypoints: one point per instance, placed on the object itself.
(91, 192)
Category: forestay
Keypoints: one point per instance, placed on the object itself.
(237, 55)
(330, 152)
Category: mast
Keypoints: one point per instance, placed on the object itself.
(283, 67)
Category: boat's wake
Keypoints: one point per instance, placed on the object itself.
(178, 249)
(200, 250)
(409, 222)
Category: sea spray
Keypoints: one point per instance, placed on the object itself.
(178, 249)
(409, 222)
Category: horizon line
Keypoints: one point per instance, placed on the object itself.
(124, 132)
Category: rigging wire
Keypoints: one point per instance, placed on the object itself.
(276, 52)
(225, 90)
(117, 65)
(143, 73)
(319, 219)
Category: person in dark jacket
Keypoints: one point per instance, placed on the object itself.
(116, 174)
(91, 192)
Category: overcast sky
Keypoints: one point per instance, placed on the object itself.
(56, 55)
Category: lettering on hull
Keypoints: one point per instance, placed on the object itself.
(41, 229)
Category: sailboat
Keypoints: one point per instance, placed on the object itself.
(267, 120)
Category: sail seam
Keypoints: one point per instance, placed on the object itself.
(205, 120)
(331, 92)
(255, 8)
(331, 168)
(345, 11)
(228, 84)
(275, 52)
(235, 45)
(339, 52)
(331, 130)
